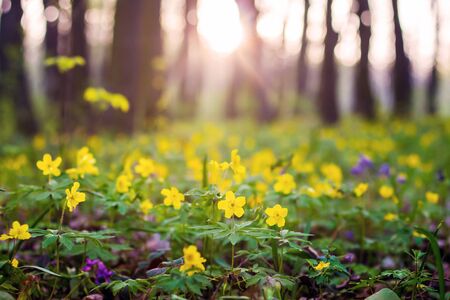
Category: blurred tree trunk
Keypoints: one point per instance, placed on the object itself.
(136, 60)
(327, 98)
(51, 50)
(76, 79)
(302, 62)
(13, 83)
(190, 83)
(364, 102)
(402, 71)
(248, 62)
(433, 80)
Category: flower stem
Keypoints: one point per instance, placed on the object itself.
(275, 257)
(232, 257)
(59, 231)
(62, 216)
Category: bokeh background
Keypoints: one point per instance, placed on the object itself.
(221, 59)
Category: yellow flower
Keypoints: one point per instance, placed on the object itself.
(321, 265)
(119, 101)
(123, 184)
(48, 166)
(195, 164)
(262, 160)
(276, 215)
(19, 232)
(418, 235)
(413, 161)
(232, 205)
(172, 197)
(215, 171)
(390, 217)
(332, 172)
(255, 200)
(145, 206)
(432, 197)
(386, 191)
(235, 165)
(360, 189)
(261, 187)
(85, 164)
(74, 197)
(161, 171)
(38, 142)
(285, 184)
(300, 165)
(14, 263)
(193, 260)
(145, 167)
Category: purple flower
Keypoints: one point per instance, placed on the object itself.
(157, 244)
(349, 235)
(440, 175)
(384, 170)
(364, 163)
(401, 178)
(102, 274)
(357, 170)
(349, 258)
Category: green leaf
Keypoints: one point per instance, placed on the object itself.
(66, 242)
(234, 238)
(437, 256)
(53, 273)
(49, 240)
(42, 196)
(5, 296)
(384, 294)
(193, 288)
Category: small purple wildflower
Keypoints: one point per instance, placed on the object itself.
(349, 235)
(357, 170)
(349, 258)
(401, 178)
(102, 273)
(440, 175)
(364, 163)
(385, 170)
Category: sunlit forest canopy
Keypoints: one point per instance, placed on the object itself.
(211, 60)
(225, 149)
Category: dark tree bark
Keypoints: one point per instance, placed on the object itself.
(248, 64)
(433, 80)
(302, 62)
(77, 78)
(327, 98)
(191, 80)
(364, 100)
(51, 50)
(402, 71)
(13, 85)
(137, 43)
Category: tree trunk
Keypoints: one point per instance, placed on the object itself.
(51, 50)
(137, 46)
(402, 71)
(77, 78)
(433, 80)
(302, 63)
(327, 99)
(13, 85)
(190, 72)
(364, 102)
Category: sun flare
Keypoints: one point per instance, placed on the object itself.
(219, 25)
